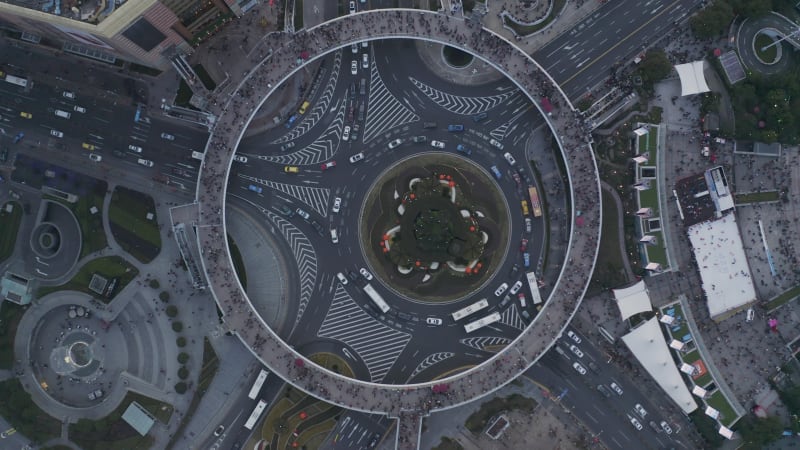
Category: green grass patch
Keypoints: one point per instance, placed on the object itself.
(768, 55)
(448, 444)
(184, 95)
(524, 30)
(93, 234)
(657, 253)
(478, 420)
(238, 262)
(127, 214)
(10, 315)
(648, 198)
(9, 226)
(757, 197)
(17, 407)
(113, 432)
(691, 357)
(609, 272)
(205, 78)
(783, 298)
(298, 14)
(718, 402)
(107, 266)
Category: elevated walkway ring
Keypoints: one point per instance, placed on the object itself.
(311, 44)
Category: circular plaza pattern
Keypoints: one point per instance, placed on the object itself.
(311, 44)
(444, 229)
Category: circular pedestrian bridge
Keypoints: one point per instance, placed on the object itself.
(285, 55)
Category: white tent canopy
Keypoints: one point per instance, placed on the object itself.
(676, 344)
(727, 432)
(655, 267)
(700, 392)
(641, 159)
(632, 300)
(692, 79)
(667, 319)
(647, 344)
(688, 369)
(711, 412)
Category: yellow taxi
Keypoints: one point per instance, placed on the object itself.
(291, 169)
(26, 115)
(304, 107)
(88, 146)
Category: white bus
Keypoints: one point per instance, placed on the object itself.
(482, 322)
(534, 287)
(17, 80)
(251, 421)
(262, 376)
(473, 308)
(376, 298)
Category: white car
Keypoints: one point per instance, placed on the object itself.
(95, 157)
(640, 410)
(68, 94)
(666, 427)
(636, 423)
(576, 350)
(433, 321)
(516, 287)
(135, 148)
(574, 336)
(581, 370)
(303, 214)
(496, 143)
(437, 144)
(395, 143)
(346, 133)
(145, 162)
(342, 278)
(80, 109)
(365, 273)
(337, 204)
(352, 7)
(364, 61)
(357, 157)
(354, 48)
(334, 236)
(240, 158)
(167, 136)
(509, 158)
(220, 429)
(56, 133)
(353, 67)
(501, 289)
(616, 388)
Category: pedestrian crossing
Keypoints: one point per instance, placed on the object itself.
(315, 198)
(322, 149)
(486, 343)
(377, 345)
(463, 105)
(429, 361)
(511, 317)
(318, 111)
(384, 110)
(305, 256)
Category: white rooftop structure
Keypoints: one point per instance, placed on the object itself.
(711, 412)
(647, 344)
(698, 391)
(692, 79)
(632, 300)
(718, 184)
(723, 266)
(728, 433)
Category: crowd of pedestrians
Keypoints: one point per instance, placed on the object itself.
(286, 54)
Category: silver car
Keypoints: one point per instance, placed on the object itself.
(576, 350)
(365, 273)
(581, 370)
(337, 204)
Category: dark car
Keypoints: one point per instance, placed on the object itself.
(462, 149)
(455, 128)
(604, 390)
(429, 125)
(285, 210)
(317, 227)
(4, 155)
(352, 275)
(514, 270)
(479, 117)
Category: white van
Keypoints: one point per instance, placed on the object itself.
(334, 236)
(145, 162)
(63, 114)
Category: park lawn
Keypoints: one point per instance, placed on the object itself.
(9, 226)
(684, 328)
(704, 380)
(92, 233)
(609, 270)
(757, 197)
(10, 315)
(783, 298)
(657, 253)
(107, 266)
(128, 210)
(648, 198)
(17, 407)
(691, 357)
(478, 420)
(720, 403)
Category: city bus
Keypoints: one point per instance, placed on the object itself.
(376, 298)
(471, 309)
(525, 211)
(536, 205)
(482, 322)
(262, 376)
(17, 80)
(534, 287)
(251, 421)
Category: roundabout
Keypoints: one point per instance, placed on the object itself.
(406, 400)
